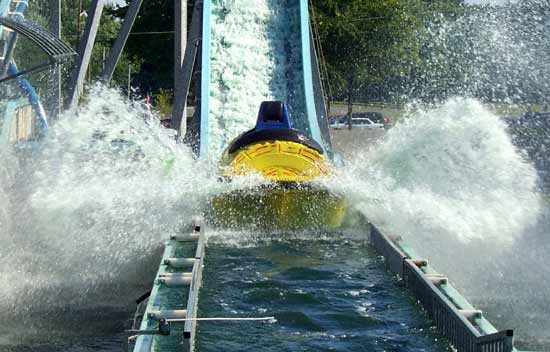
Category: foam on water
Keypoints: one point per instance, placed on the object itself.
(254, 57)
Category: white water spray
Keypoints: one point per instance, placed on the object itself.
(92, 205)
(452, 184)
(450, 171)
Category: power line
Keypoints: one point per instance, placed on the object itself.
(133, 33)
(147, 33)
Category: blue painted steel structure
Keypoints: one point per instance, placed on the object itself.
(205, 79)
(33, 98)
(25, 85)
(311, 113)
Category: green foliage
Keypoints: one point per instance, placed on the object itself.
(73, 23)
(373, 47)
(163, 102)
(156, 49)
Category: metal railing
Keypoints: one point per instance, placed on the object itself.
(460, 326)
(173, 276)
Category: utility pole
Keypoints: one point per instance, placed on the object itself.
(350, 101)
(85, 51)
(78, 34)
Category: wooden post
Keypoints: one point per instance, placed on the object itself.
(191, 51)
(129, 80)
(350, 99)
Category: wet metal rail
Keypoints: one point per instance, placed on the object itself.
(456, 319)
(159, 318)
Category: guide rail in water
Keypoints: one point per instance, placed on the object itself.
(164, 318)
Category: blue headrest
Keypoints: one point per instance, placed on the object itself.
(273, 114)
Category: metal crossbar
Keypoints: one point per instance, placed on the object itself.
(457, 324)
(55, 48)
(193, 298)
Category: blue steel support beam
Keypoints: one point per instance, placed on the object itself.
(205, 80)
(85, 52)
(12, 39)
(319, 95)
(11, 68)
(32, 96)
(307, 75)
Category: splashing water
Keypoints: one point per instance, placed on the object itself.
(473, 210)
(451, 171)
(90, 206)
(81, 217)
(489, 52)
(450, 181)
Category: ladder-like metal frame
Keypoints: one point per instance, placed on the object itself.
(455, 318)
(166, 281)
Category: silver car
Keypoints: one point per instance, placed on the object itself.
(357, 122)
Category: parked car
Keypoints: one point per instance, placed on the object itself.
(371, 120)
(376, 117)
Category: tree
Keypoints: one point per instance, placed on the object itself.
(73, 23)
(155, 49)
(374, 48)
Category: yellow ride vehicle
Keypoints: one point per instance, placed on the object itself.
(290, 161)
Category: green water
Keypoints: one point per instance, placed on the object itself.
(330, 294)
